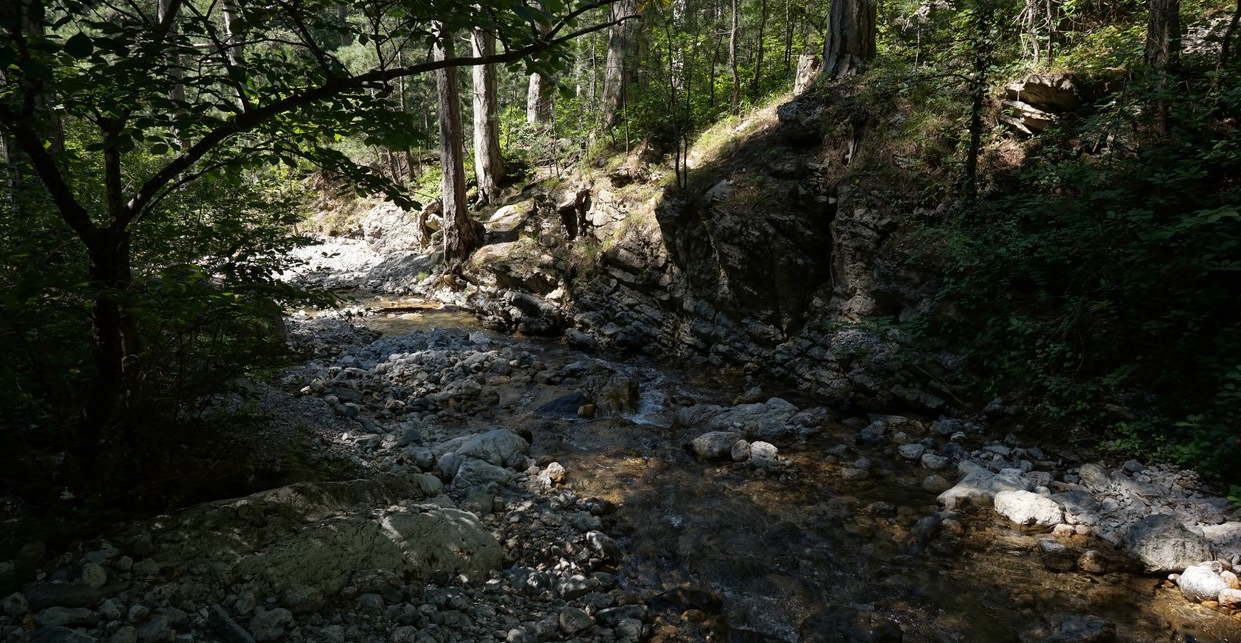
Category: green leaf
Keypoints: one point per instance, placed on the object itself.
(159, 149)
(79, 46)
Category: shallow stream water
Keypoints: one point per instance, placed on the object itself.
(743, 555)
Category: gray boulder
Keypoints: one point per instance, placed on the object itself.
(979, 486)
(1095, 477)
(269, 625)
(716, 445)
(764, 455)
(1162, 544)
(1028, 509)
(1225, 540)
(493, 447)
(472, 473)
(320, 535)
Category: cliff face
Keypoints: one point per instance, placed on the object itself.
(752, 264)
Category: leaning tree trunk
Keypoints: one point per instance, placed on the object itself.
(850, 40)
(460, 237)
(488, 163)
(1163, 52)
(614, 65)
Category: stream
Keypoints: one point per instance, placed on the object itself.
(808, 550)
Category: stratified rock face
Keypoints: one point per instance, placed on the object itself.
(321, 535)
(1163, 544)
(1036, 101)
(1051, 92)
(741, 260)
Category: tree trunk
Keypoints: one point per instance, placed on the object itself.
(488, 164)
(1225, 50)
(758, 56)
(850, 40)
(538, 99)
(232, 37)
(614, 64)
(460, 237)
(1163, 52)
(342, 17)
(732, 63)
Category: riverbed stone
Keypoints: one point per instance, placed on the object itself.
(934, 461)
(15, 605)
(155, 630)
(1080, 629)
(494, 447)
(1092, 562)
(979, 486)
(912, 451)
(58, 634)
(61, 595)
(67, 617)
(764, 455)
(1230, 598)
(225, 627)
(936, 483)
(1202, 582)
(94, 575)
(1162, 544)
(1094, 477)
(1028, 509)
(269, 625)
(715, 445)
(1055, 556)
(573, 620)
(473, 473)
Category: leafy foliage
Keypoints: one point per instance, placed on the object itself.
(1103, 283)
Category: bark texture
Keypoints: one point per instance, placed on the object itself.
(850, 40)
(614, 66)
(488, 163)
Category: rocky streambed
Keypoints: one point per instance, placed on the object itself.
(514, 490)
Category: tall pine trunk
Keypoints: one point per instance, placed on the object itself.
(488, 163)
(460, 237)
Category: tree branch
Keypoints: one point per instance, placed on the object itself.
(331, 87)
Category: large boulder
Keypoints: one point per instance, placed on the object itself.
(493, 447)
(770, 421)
(1028, 509)
(715, 445)
(1162, 544)
(979, 486)
(1225, 540)
(320, 535)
